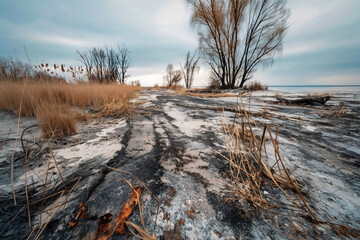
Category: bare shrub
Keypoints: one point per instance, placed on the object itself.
(172, 77)
(177, 76)
(337, 111)
(214, 83)
(255, 86)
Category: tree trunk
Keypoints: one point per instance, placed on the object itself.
(243, 80)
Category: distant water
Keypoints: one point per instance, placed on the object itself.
(316, 88)
(311, 88)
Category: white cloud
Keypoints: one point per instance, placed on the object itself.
(59, 40)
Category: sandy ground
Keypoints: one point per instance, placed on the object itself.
(171, 145)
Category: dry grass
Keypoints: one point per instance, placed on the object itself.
(249, 165)
(337, 111)
(55, 120)
(248, 155)
(53, 104)
(255, 86)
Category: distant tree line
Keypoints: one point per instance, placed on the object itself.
(102, 65)
(17, 71)
(106, 65)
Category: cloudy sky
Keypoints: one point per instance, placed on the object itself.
(322, 45)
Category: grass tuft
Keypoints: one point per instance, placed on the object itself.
(337, 111)
(250, 166)
(55, 120)
(255, 86)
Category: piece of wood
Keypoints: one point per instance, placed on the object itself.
(304, 101)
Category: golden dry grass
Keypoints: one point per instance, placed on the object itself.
(248, 155)
(53, 104)
(55, 120)
(249, 165)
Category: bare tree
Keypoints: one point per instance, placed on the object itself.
(124, 62)
(86, 58)
(190, 68)
(172, 77)
(169, 75)
(237, 36)
(112, 69)
(107, 64)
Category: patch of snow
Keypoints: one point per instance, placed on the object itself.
(186, 124)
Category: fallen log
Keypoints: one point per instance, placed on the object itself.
(304, 101)
(204, 91)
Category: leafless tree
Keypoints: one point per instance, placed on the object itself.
(124, 62)
(237, 36)
(172, 77)
(112, 62)
(107, 64)
(86, 58)
(169, 75)
(190, 68)
(14, 70)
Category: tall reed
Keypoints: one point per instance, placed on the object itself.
(53, 103)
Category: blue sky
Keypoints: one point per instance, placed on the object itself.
(322, 45)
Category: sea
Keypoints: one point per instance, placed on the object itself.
(316, 88)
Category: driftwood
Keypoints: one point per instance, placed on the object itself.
(305, 100)
(204, 91)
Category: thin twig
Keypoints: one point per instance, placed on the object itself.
(38, 235)
(53, 156)
(26, 191)
(42, 201)
(12, 158)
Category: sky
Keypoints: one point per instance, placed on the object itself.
(322, 45)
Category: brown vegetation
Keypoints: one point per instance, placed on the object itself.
(56, 105)
(238, 36)
(250, 170)
(337, 111)
(172, 77)
(17, 71)
(255, 86)
(249, 165)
